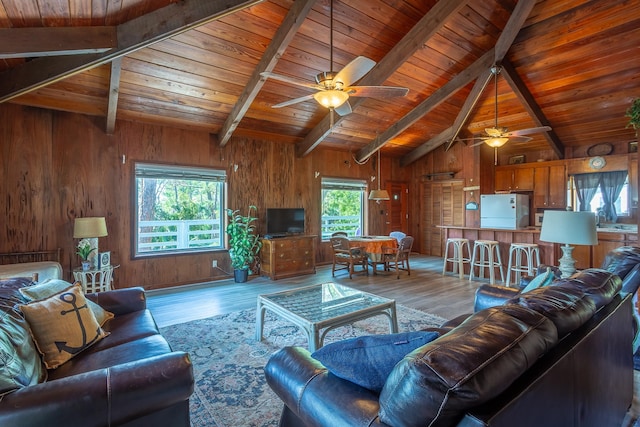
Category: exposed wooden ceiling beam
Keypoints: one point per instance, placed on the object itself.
(504, 42)
(426, 28)
(532, 107)
(278, 44)
(114, 90)
(132, 35)
(442, 94)
(469, 105)
(55, 41)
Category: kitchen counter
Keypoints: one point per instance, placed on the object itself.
(609, 237)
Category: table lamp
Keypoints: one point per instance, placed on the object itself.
(90, 228)
(569, 228)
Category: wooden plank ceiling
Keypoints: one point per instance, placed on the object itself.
(573, 65)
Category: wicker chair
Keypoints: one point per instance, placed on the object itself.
(398, 257)
(347, 257)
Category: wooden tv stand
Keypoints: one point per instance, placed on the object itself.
(288, 256)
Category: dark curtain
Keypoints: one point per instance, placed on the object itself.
(611, 184)
(586, 188)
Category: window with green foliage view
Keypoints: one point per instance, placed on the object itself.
(342, 206)
(178, 209)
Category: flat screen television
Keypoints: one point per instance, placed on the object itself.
(285, 221)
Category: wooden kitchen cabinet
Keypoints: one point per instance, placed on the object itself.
(550, 187)
(508, 178)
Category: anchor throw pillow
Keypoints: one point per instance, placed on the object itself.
(62, 325)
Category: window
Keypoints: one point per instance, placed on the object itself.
(342, 206)
(589, 187)
(178, 209)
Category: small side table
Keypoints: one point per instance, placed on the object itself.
(95, 279)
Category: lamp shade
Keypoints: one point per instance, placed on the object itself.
(89, 227)
(496, 142)
(331, 98)
(569, 227)
(379, 195)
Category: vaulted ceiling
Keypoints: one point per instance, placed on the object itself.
(572, 65)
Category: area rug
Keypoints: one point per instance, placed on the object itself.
(228, 362)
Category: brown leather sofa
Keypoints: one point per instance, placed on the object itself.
(542, 358)
(130, 378)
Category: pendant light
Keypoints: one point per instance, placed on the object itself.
(331, 98)
(379, 194)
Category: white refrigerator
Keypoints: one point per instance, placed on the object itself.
(508, 211)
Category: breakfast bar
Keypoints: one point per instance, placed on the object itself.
(609, 237)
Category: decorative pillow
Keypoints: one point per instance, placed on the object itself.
(62, 325)
(50, 287)
(20, 362)
(540, 281)
(367, 361)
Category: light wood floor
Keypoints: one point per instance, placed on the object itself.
(425, 289)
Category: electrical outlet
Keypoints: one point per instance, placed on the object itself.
(214, 263)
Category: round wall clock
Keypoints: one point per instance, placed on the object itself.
(597, 162)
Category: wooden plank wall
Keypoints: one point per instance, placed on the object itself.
(57, 166)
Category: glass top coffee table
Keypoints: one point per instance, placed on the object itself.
(317, 309)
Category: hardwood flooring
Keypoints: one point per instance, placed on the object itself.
(425, 289)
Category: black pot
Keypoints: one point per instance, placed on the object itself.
(240, 276)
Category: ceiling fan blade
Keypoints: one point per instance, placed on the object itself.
(354, 70)
(477, 143)
(291, 80)
(293, 101)
(343, 109)
(519, 138)
(377, 91)
(529, 131)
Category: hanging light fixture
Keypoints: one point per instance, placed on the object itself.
(496, 142)
(331, 98)
(379, 194)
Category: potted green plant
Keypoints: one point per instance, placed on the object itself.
(84, 250)
(244, 242)
(633, 112)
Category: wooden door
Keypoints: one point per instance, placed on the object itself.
(443, 204)
(398, 208)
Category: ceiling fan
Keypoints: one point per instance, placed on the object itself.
(497, 136)
(333, 89)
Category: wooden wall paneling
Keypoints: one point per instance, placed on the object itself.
(59, 166)
(27, 188)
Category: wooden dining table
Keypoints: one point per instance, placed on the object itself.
(373, 247)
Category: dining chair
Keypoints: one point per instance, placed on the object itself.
(347, 257)
(339, 234)
(398, 235)
(398, 257)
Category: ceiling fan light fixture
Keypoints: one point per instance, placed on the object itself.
(331, 98)
(496, 142)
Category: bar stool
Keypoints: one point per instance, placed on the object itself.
(518, 265)
(458, 260)
(486, 254)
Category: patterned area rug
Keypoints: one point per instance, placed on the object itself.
(230, 388)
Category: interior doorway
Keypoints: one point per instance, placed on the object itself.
(397, 218)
